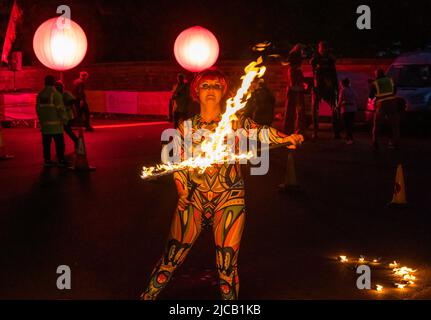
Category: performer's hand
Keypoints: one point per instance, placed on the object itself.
(183, 202)
(295, 140)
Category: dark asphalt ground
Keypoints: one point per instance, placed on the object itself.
(109, 226)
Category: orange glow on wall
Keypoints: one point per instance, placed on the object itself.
(196, 49)
(60, 48)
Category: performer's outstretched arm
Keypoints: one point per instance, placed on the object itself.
(269, 135)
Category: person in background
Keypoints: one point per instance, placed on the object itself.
(294, 114)
(325, 87)
(50, 111)
(69, 102)
(385, 105)
(347, 103)
(260, 107)
(180, 100)
(81, 99)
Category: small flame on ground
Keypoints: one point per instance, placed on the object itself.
(409, 277)
(400, 285)
(343, 258)
(403, 271)
(404, 275)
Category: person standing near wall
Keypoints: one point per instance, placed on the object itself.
(261, 105)
(69, 102)
(81, 102)
(347, 103)
(294, 114)
(50, 111)
(325, 87)
(180, 100)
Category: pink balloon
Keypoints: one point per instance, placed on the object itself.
(60, 44)
(196, 49)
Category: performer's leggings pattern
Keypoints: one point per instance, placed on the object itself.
(227, 226)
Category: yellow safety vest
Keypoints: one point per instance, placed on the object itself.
(385, 88)
(50, 115)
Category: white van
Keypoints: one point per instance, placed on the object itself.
(411, 73)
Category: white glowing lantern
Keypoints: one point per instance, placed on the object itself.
(196, 49)
(60, 44)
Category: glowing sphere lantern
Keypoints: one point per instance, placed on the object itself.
(60, 44)
(196, 49)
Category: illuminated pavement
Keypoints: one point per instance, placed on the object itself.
(109, 226)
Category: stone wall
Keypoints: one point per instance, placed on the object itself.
(160, 76)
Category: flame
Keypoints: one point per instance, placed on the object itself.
(343, 258)
(408, 277)
(400, 285)
(405, 274)
(393, 265)
(214, 149)
(379, 288)
(403, 271)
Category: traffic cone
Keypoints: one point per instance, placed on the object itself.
(290, 182)
(80, 162)
(3, 154)
(399, 197)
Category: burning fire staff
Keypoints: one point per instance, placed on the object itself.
(214, 198)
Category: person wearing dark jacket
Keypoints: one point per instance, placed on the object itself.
(69, 102)
(325, 87)
(180, 100)
(260, 107)
(294, 115)
(81, 99)
(347, 103)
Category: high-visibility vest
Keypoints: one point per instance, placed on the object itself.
(68, 100)
(384, 87)
(50, 115)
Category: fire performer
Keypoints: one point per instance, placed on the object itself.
(214, 198)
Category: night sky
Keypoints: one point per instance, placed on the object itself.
(146, 30)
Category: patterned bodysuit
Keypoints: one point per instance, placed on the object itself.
(218, 202)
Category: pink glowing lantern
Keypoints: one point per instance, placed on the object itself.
(60, 44)
(196, 49)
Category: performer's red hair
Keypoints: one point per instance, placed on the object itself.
(208, 74)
